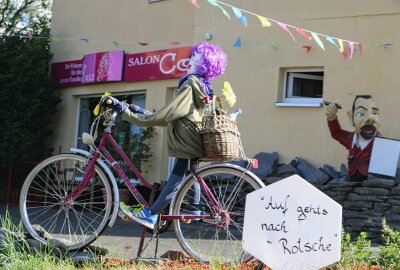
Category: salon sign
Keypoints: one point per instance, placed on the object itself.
(93, 68)
(156, 65)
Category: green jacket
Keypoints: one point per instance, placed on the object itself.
(183, 117)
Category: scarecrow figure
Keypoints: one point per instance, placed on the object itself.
(366, 121)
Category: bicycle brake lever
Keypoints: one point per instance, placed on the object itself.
(113, 116)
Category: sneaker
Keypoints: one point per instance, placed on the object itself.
(140, 214)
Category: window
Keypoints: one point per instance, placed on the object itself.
(123, 128)
(302, 88)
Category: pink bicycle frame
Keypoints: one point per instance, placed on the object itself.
(89, 171)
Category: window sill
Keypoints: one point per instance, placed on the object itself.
(287, 104)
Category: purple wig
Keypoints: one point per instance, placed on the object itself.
(214, 60)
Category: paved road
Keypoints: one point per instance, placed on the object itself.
(121, 235)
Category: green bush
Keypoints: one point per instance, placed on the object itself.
(390, 249)
(358, 252)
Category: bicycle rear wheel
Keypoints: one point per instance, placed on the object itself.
(218, 238)
(43, 205)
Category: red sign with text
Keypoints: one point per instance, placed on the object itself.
(158, 65)
(102, 67)
(67, 73)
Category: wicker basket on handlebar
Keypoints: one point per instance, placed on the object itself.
(221, 137)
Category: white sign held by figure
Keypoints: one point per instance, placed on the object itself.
(384, 156)
(292, 225)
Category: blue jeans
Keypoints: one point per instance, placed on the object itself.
(174, 181)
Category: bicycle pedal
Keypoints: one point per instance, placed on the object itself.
(124, 217)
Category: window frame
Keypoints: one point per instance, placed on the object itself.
(288, 100)
(80, 97)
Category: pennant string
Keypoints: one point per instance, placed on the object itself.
(217, 2)
(356, 46)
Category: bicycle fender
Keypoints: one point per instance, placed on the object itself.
(111, 177)
(211, 166)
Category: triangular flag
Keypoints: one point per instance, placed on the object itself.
(351, 43)
(331, 40)
(194, 3)
(243, 20)
(273, 46)
(56, 39)
(264, 21)
(360, 47)
(84, 40)
(239, 15)
(317, 40)
(285, 27)
(238, 43)
(345, 53)
(143, 43)
(116, 43)
(214, 3)
(340, 45)
(308, 48)
(303, 33)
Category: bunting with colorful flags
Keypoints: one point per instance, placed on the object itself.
(352, 46)
(339, 43)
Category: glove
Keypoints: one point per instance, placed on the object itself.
(331, 111)
(136, 109)
(117, 105)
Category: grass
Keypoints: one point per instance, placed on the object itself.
(356, 254)
(19, 256)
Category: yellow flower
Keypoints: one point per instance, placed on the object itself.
(230, 97)
(97, 109)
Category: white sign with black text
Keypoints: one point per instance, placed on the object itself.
(292, 225)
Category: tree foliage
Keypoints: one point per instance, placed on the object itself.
(21, 17)
(28, 96)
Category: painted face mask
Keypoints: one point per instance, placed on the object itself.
(194, 61)
(366, 119)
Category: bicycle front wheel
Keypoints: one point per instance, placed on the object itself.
(44, 209)
(218, 237)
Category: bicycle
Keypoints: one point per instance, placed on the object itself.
(74, 196)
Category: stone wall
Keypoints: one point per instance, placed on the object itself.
(365, 203)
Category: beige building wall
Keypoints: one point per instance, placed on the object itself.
(255, 71)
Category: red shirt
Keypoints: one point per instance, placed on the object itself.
(358, 159)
